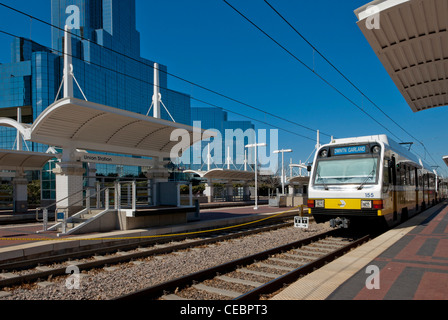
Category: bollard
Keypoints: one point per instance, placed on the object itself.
(45, 218)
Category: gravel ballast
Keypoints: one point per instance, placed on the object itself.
(105, 284)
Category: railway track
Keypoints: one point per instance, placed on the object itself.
(26, 272)
(251, 277)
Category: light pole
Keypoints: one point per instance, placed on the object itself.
(283, 172)
(256, 145)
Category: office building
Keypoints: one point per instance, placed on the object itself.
(106, 63)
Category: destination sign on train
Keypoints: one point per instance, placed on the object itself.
(350, 150)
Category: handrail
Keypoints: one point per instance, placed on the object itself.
(69, 196)
(45, 209)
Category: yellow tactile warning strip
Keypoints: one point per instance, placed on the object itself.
(320, 284)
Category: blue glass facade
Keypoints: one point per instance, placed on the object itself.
(109, 69)
(107, 66)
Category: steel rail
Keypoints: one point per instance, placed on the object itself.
(19, 279)
(292, 276)
(179, 283)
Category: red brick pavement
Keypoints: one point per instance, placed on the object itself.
(419, 269)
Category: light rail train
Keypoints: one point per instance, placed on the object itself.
(372, 181)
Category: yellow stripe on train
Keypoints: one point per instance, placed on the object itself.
(351, 204)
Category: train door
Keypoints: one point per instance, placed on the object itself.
(425, 191)
(393, 169)
(417, 203)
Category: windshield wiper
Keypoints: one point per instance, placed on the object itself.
(365, 181)
(321, 178)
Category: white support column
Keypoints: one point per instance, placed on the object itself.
(318, 140)
(69, 182)
(156, 96)
(209, 158)
(134, 196)
(209, 190)
(291, 189)
(68, 66)
(19, 135)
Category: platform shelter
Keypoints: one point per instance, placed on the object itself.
(410, 38)
(226, 176)
(73, 124)
(17, 162)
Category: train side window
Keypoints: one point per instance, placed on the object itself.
(432, 182)
(420, 179)
(412, 176)
(387, 170)
(405, 176)
(417, 184)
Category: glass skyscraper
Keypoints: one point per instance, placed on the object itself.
(107, 65)
(109, 68)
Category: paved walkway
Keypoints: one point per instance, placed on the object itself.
(412, 261)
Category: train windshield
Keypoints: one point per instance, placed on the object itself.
(346, 171)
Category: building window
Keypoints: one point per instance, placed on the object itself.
(48, 181)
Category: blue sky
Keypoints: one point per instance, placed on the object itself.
(208, 43)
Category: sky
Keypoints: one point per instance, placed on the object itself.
(207, 43)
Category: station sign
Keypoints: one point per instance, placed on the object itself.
(115, 160)
(301, 222)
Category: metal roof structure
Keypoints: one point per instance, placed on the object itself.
(299, 180)
(80, 124)
(410, 38)
(23, 160)
(223, 174)
(445, 159)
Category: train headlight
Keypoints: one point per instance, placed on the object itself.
(319, 203)
(366, 204)
(324, 153)
(376, 149)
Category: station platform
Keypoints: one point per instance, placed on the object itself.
(21, 242)
(412, 260)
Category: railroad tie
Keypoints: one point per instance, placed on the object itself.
(258, 273)
(274, 266)
(172, 297)
(240, 281)
(221, 292)
(296, 262)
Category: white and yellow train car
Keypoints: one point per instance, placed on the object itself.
(369, 180)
